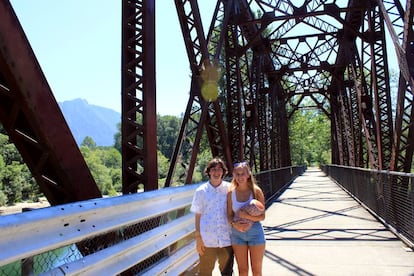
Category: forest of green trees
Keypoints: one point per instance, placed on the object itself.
(309, 133)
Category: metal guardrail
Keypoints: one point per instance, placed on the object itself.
(32, 233)
(388, 195)
(148, 233)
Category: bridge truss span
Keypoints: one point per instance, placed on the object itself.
(267, 60)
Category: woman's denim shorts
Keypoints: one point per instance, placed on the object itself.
(254, 236)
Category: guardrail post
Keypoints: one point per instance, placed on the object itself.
(28, 263)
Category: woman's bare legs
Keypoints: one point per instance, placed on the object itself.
(256, 258)
(242, 258)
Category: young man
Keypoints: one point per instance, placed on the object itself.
(211, 224)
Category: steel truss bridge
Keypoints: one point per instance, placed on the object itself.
(276, 57)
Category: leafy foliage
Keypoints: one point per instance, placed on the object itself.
(168, 128)
(309, 132)
(105, 166)
(16, 181)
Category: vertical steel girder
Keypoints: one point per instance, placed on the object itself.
(139, 118)
(343, 126)
(33, 120)
(262, 109)
(234, 94)
(281, 148)
(377, 64)
(336, 122)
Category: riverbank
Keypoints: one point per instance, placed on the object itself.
(18, 207)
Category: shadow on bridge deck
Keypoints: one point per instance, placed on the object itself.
(316, 228)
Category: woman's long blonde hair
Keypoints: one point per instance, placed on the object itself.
(251, 181)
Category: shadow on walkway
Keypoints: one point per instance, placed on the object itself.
(316, 228)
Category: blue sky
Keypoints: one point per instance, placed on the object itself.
(78, 46)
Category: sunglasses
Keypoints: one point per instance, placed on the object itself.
(240, 164)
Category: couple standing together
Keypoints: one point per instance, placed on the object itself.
(220, 234)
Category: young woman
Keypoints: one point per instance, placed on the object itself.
(247, 238)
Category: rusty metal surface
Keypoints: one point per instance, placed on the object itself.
(279, 57)
(399, 22)
(199, 113)
(34, 122)
(276, 58)
(139, 118)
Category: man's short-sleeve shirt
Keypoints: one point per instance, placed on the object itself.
(211, 203)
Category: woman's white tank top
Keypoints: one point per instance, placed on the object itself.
(236, 205)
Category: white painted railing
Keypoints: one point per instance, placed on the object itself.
(28, 234)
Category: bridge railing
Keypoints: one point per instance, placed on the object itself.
(388, 195)
(274, 181)
(150, 233)
(103, 236)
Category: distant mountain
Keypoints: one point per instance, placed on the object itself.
(85, 119)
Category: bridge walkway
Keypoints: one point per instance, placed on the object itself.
(315, 228)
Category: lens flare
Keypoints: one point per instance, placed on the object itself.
(209, 87)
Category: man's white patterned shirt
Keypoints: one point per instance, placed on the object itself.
(211, 203)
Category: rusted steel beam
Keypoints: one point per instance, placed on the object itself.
(199, 113)
(34, 122)
(139, 118)
(376, 105)
(400, 26)
(235, 63)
